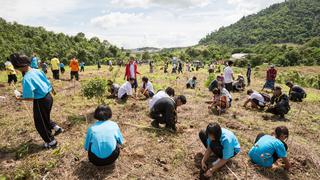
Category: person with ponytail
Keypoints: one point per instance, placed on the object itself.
(220, 142)
(37, 88)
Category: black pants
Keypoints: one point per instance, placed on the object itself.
(124, 97)
(216, 147)
(55, 74)
(104, 162)
(229, 86)
(159, 118)
(189, 86)
(249, 80)
(82, 69)
(12, 78)
(278, 110)
(295, 96)
(274, 155)
(62, 70)
(74, 74)
(41, 113)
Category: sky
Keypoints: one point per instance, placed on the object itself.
(133, 23)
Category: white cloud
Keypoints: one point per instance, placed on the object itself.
(251, 6)
(168, 3)
(115, 19)
(21, 10)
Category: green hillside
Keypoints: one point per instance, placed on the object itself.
(293, 21)
(25, 39)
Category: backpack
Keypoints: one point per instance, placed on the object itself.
(266, 97)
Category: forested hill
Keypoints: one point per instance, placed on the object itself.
(293, 21)
(25, 39)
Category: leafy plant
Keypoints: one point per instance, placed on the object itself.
(95, 89)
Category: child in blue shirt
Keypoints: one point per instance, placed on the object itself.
(220, 142)
(37, 88)
(103, 138)
(268, 149)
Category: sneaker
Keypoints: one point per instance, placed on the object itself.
(51, 145)
(58, 131)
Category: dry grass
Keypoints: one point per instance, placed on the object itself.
(149, 153)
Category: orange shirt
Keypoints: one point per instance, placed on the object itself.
(74, 65)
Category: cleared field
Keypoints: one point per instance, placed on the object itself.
(148, 153)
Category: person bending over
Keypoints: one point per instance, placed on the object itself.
(125, 91)
(220, 142)
(37, 88)
(281, 103)
(296, 93)
(113, 89)
(191, 84)
(164, 112)
(169, 92)
(219, 103)
(104, 138)
(268, 149)
(255, 99)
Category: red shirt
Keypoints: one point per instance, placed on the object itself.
(127, 72)
(271, 74)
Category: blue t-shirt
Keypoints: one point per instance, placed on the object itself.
(61, 65)
(103, 137)
(229, 143)
(34, 63)
(261, 153)
(35, 85)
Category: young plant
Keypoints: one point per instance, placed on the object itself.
(95, 89)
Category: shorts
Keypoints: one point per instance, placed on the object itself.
(269, 84)
(257, 102)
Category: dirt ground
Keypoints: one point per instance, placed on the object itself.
(149, 153)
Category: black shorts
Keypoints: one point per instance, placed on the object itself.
(106, 161)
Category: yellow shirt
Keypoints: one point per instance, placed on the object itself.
(10, 69)
(55, 64)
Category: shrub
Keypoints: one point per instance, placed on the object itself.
(95, 89)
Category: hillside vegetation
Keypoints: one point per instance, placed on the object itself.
(25, 39)
(294, 21)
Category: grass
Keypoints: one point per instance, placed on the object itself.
(148, 153)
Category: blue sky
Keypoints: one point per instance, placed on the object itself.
(133, 23)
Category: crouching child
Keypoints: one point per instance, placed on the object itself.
(268, 149)
(104, 138)
(220, 142)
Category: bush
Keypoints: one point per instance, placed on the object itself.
(95, 89)
(312, 81)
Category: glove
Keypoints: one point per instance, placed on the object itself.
(17, 93)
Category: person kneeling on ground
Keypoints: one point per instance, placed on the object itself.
(113, 89)
(169, 92)
(147, 88)
(216, 83)
(239, 84)
(191, 84)
(268, 149)
(256, 100)
(125, 91)
(103, 138)
(281, 102)
(219, 142)
(37, 88)
(164, 111)
(219, 103)
(296, 93)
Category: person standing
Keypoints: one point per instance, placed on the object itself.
(271, 78)
(34, 61)
(12, 75)
(249, 74)
(131, 72)
(180, 67)
(55, 64)
(82, 66)
(62, 68)
(151, 66)
(37, 88)
(99, 65)
(228, 76)
(44, 67)
(74, 67)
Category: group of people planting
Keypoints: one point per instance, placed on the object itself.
(104, 138)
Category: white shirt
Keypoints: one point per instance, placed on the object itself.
(149, 87)
(225, 92)
(156, 97)
(228, 75)
(258, 97)
(126, 88)
(132, 70)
